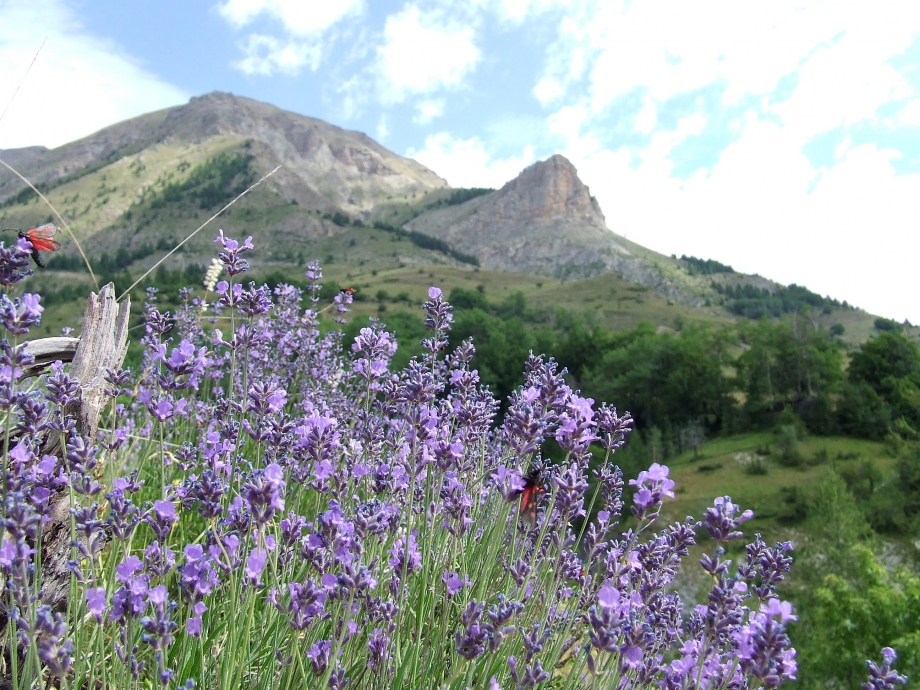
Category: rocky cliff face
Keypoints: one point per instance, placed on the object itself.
(545, 221)
(323, 164)
(548, 190)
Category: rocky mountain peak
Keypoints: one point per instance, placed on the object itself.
(551, 188)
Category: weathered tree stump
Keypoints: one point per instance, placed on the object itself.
(101, 346)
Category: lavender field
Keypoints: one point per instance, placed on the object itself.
(264, 505)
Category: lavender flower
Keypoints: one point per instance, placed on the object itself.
(612, 429)
(883, 677)
(763, 646)
(255, 564)
(377, 656)
(263, 492)
(230, 256)
(95, 602)
(437, 319)
(161, 517)
(14, 262)
(509, 483)
(720, 520)
(318, 655)
(471, 641)
(454, 582)
(50, 638)
(158, 630)
(255, 301)
(402, 558)
(652, 486)
(62, 388)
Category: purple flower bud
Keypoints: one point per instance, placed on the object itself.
(21, 313)
(263, 493)
(377, 655)
(161, 517)
(438, 319)
(454, 582)
(255, 564)
(883, 677)
(50, 637)
(720, 520)
(95, 602)
(230, 256)
(399, 560)
(318, 655)
(652, 486)
(509, 483)
(14, 262)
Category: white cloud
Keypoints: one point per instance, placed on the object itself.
(668, 47)
(266, 55)
(304, 22)
(298, 16)
(466, 163)
(853, 236)
(422, 54)
(519, 10)
(79, 84)
(548, 90)
(427, 110)
(910, 115)
(849, 230)
(647, 118)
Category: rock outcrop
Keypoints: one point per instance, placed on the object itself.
(545, 221)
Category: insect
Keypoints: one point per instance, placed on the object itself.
(530, 496)
(40, 238)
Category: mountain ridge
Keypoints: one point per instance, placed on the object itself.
(307, 147)
(127, 188)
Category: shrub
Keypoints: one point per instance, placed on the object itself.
(788, 444)
(795, 503)
(756, 467)
(889, 325)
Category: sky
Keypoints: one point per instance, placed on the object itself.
(782, 138)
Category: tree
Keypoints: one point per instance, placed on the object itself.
(849, 605)
(664, 380)
(884, 379)
(788, 363)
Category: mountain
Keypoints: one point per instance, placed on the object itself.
(132, 191)
(546, 222)
(323, 165)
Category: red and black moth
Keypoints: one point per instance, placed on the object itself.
(530, 496)
(40, 238)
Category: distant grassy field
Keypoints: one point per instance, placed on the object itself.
(721, 469)
(609, 300)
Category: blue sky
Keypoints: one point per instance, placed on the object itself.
(780, 137)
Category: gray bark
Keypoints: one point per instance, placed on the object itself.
(102, 345)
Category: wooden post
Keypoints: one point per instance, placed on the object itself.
(101, 346)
